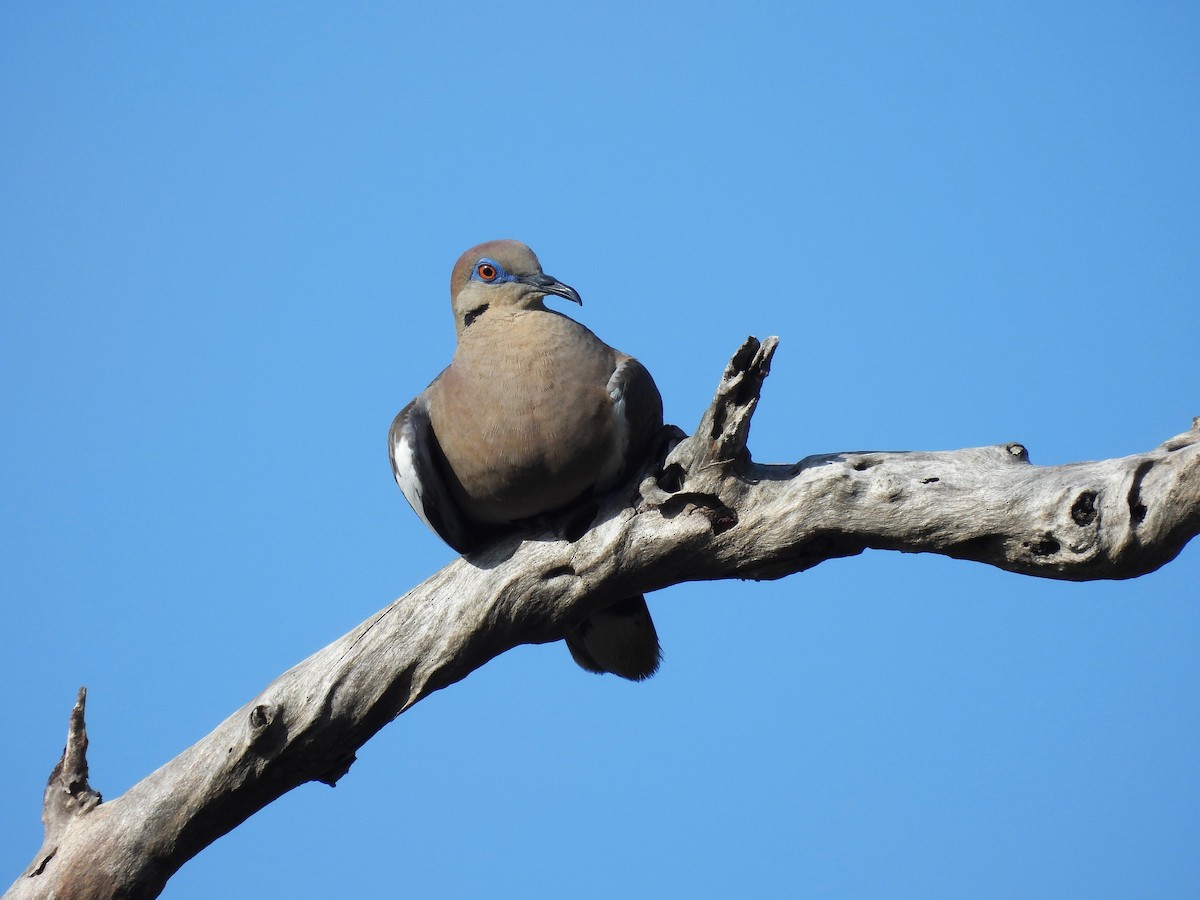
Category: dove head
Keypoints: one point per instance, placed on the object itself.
(499, 274)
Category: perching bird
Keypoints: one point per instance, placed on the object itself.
(533, 415)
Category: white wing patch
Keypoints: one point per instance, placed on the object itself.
(404, 467)
(612, 470)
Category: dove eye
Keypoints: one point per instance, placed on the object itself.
(486, 271)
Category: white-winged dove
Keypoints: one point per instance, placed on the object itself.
(533, 415)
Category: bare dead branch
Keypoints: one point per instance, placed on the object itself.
(68, 794)
(701, 510)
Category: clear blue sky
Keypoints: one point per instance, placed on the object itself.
(225, 237)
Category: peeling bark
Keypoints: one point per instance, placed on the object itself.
(701, 509)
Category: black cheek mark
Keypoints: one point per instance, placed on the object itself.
(474, 314)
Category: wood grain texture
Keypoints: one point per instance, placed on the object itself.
(700, 509)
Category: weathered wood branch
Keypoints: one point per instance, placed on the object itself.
(701, 510)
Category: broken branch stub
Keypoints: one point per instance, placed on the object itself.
(706, 512)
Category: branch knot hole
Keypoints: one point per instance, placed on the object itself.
(1046, 546)
(672, 478)
(720, 517)
(1083, 511)
(261, 716)
(268, 735)
(1137, 509)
